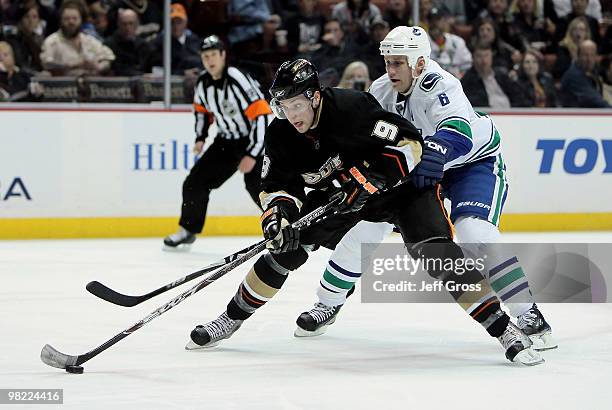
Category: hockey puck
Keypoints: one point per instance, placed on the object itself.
(74, 369)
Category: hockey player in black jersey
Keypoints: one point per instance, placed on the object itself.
(334, 140)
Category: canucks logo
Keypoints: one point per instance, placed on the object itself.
(429, 81)
(416, 31)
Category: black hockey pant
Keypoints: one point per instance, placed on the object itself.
(217, 165)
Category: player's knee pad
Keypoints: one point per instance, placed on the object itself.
(435, 252)
(472, 229)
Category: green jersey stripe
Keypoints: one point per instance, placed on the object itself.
(459, 126)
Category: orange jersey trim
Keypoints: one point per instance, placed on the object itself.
(441, 202)
(257, 108)
(399, 163)
(200, 108)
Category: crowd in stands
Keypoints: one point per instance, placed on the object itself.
(507, 53)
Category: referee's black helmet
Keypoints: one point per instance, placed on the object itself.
(212, 43)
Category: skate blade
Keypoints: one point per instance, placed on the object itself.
(193, 346)
(299, 332)
(543, 341)
(184, 247)
(528, 357)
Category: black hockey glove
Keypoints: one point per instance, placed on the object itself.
(428, 172)
(276, 226)
(358, 186)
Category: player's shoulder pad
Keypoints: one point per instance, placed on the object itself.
(429, 81)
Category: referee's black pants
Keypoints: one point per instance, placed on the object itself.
(217, 165)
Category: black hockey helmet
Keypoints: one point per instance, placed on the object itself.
(294, 78)
(212, 43)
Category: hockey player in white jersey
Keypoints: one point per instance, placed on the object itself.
(462, 152)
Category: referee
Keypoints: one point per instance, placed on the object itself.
(232, 99)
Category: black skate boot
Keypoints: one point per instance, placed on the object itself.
(518, 346)
(210, 334)
(316, 321)
(179, 240)
(533, 324)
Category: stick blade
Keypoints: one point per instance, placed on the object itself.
(54, 358)
(106, 293)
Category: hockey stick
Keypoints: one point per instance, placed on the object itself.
(104, 292)
(55, 358)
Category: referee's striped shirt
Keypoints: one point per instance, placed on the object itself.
(237, 105)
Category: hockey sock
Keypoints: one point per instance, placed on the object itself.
(336, 283)
(509, 282)
(344, 266)
(503, 270)
(470, 289)
(262, 282)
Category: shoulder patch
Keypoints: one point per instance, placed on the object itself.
(429, 81)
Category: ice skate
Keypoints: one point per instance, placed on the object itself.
(518, 347)
(210, 334)
(316, 321)
(533, 324)
(180, 240)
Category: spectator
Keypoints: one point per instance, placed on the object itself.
(397, 13)
(606, 75)
(448, 50)
(535, 29)
(270, 26)
(486, 34)
(579, 10)
(474, 9)
(337, 51)
(185, 46)
(539, 86)
(356, 77)
(606, 42)
(564, 7)
(70, 52)
(486, 86)
(98, 13)
(499, 11)
(456, 10)
(355, 16)
(304, 30)
(425, 7)
(577, 32)
(581, 85)
(14, 84)
(150, 15)
(131, 51)
(27, 42)
(246, 31)
(13, 12)
(370, 53)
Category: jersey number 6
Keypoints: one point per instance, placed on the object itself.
(443, 99)
(384, 130)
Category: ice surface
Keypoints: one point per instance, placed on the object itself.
(375, 356)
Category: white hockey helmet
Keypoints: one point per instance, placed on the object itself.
(412, 42)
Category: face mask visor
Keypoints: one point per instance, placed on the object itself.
(291, 107)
